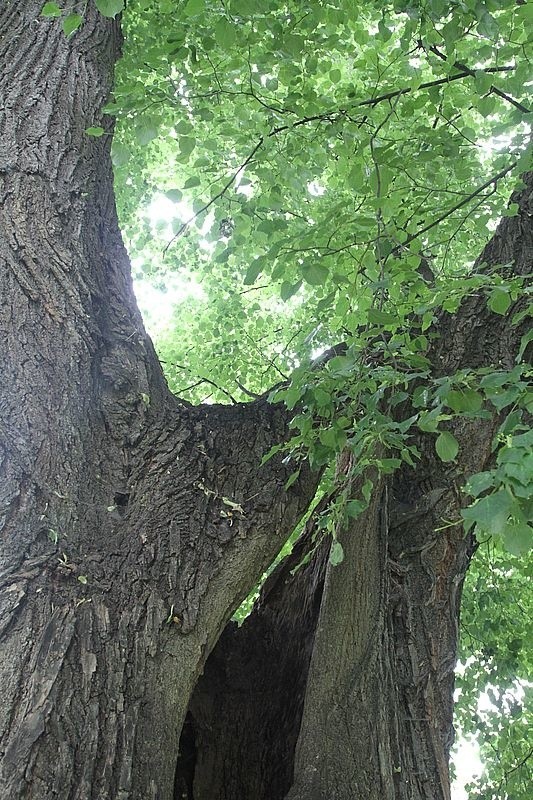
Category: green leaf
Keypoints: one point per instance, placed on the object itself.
(314, 274)
(225, 33)
(521, 472)
(355, 507)
(480, 483)
(51, 10)
(253, 271)
(429, 420)
(494, 379)
(366, 491)
(511, 210)
(71, 24)
(487, 25)
(110, 8)
(322, 399)
(292, 478)
(287, 290)
(483, 81)
(524, 341)
(145, 133)
(500, 399)
(95, 131)
(499, 301)
(194, 7)
(464, 400)
(486, 105)
(384, 32)
(334, 438)
(518, 538)
(336, 554)
(174, 194)
(187, 144)
(446, 446)
(490, 513)
(120, 154)
(388, 465)
(194, 180)
(377, 317)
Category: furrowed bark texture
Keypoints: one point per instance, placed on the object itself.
(374, 706)
(131, 524)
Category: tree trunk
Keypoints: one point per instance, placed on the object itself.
(132, 524)
(339, 686)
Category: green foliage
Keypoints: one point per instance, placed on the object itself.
(71, 23)
(336, 554)
(313, 163)
(493, 697)
(95, 130)
(109, 8)
(51, 10)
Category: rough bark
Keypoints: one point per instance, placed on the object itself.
(122, 556)
(132, 525)
(380, 724)
(374, 706)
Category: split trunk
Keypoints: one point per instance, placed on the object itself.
(134, 524)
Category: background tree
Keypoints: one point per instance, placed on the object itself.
(333, 171)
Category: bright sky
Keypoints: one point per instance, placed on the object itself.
(467, 764)
(157, 305)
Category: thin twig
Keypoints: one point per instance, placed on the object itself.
(246, 391)
(200, 381)
(459, 205)
(216, 197)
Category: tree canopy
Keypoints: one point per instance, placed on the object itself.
(329, 173)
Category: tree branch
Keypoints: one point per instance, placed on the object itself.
(494, 89)
(200, 381)
(462, 203)
(333, 116)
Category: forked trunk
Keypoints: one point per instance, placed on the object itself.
(373, 709)
(132, 525)
(339, 686)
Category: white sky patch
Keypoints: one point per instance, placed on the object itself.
(316, 189)
(466, 754)
(468, 766)
(513, 143)
(243, 185)
(494, 145)
(515, 694)
(157, 305)
(163, 211)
